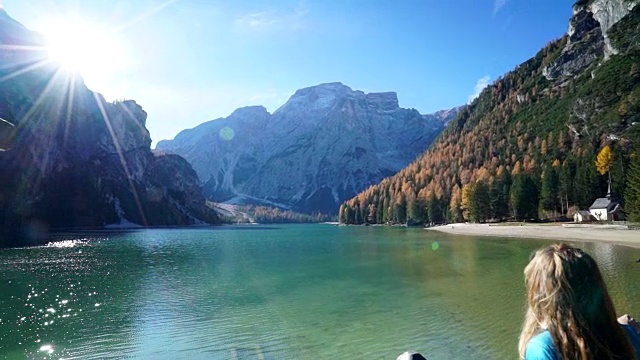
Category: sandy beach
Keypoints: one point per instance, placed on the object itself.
(547, 231)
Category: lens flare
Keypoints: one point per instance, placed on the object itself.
(227, 133)
(83, 48)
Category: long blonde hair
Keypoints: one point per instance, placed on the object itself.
(567, 296)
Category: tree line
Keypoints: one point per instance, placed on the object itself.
(273, 215)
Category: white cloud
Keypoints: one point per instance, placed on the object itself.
(292, 19)
(480, 85)
(260, 19)
(498, 5)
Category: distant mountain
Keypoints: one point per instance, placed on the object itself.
(527, 147)
(70, 159)
(324, 145)
(443, 116)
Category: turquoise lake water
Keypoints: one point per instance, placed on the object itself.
(276, 292)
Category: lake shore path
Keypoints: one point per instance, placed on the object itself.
(592, 233)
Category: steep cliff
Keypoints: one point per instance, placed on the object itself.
(588, 36)
(608, 13)
(526, 148)
(325, 144)
(71, 159)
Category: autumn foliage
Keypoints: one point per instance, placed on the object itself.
(525, 149)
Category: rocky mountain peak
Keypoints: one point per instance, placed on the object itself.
(324, 145)
(608, 13)
(444, 117)
(257, 111)
(324, 97)
(317, 97)
(322, 90)
(336, 87)
(588, 38)
(581, 23)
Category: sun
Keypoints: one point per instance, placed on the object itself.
(83, 48)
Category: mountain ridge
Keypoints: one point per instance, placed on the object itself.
(305, 146)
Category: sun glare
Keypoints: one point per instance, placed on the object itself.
(84, 48)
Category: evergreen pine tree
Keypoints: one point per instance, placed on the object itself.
(386, 216)
(499, 196)
(523, 198)
(632, 191)
(380, 213)
(348, 215)
(413, 210)
(586, 184)
(434, 210)
(530, 198)
(566, 183)
(549, 190)
(400, 211)
(515, 194)
(480, 202)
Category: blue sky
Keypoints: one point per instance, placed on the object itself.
(190, 61)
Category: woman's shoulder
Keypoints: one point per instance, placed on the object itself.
(634, 337)
(541, 347)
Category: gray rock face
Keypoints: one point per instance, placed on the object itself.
(588, 39)
(585, 46)
(443, 116)
(326, 144)
(581, 23)
(608, 13)
(72, 159)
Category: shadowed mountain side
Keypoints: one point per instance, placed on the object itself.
(74, 160)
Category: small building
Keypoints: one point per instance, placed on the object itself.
(582, 216)
(606, 209)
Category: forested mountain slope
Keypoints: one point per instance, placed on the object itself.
(527, 147)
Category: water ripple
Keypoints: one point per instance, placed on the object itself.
(301, 292)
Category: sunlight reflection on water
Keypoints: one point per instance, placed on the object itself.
(292, 292)
(70, 243)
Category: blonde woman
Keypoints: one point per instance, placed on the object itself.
(570, 315)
